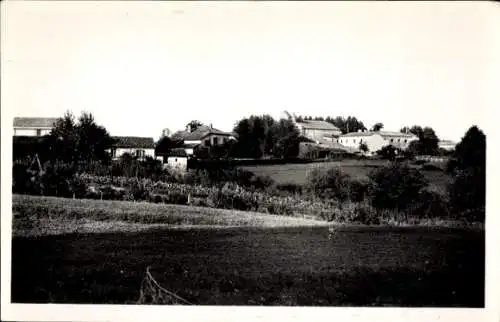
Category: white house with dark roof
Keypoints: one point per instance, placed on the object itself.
(140, 147)
(33, 126)
(177, 159)
(314, 130)
(205, 136)
(376, 140)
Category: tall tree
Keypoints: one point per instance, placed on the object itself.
(468, 166)
(92, 139)
(428, 141)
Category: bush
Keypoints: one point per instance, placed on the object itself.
(431, 204)
(358, 190)
(328, 183)
(467, 194)
(396, 186)
(291, 188)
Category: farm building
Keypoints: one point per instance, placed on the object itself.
(33, 126)
(177, 159)
(375, 140)
(314, 130)
(204, 136)
(140, 147)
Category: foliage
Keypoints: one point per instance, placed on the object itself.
(427, 143)
(468, 166)
(364, 147)
(377, 127)
(166, 144)
(329, 182)
(396, 186)
(388, 152)
(193, 125)
(85, 140)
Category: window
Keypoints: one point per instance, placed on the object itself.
(392, 140)
(207, 142)
(38, 132)
(224, 140)
(139, 153)
(406, 140)
(216, 140)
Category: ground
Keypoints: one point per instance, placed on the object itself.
(268, 265)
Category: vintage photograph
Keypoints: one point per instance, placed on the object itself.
(312, 154)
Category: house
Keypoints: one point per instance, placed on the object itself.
(140, 147)
(375, 140)
(177, 159)
(33, 126)
(203, 136)
(314, 130)
(447, 145)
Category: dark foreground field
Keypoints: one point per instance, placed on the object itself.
(255, 266)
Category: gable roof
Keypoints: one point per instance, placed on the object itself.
(318, 125)
(201, 132)
(384, 134)
(133, 142)
(37, 122)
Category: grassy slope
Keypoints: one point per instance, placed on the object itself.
(49, 215)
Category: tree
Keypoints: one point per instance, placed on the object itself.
(83, 141)
(377, 127)
(166, 144)
(92, 140)
(194, 124)
(428, 141)
(349, 124)
(467, 191)
(63, 138)
(364, 147)
(387, 152)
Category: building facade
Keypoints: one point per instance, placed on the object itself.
(33, 126)
(376, 140)
(203, 136)
(139, 147)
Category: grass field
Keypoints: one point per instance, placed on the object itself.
(34, 215)
(297, 173)
(258, 264)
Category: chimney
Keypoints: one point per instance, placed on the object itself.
(188, 128)
(211, 126)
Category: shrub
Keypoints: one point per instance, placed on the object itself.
(328, 183)
(357, 190)
(467, 194)
(396, 186)
(431, 204)
(292, 188)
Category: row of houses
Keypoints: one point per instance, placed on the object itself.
(320, 134)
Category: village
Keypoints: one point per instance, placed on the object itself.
(319, 136)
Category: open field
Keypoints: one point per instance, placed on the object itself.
(256, 266)
(97, 252)
(359, 169)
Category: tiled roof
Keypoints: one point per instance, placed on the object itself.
(133, 142)
(203, 131)
(318, 125)
(36, 122)
(384, 134)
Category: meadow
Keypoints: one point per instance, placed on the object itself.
(234, 258)
(357, 169)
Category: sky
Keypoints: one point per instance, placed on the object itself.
(140, 67)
